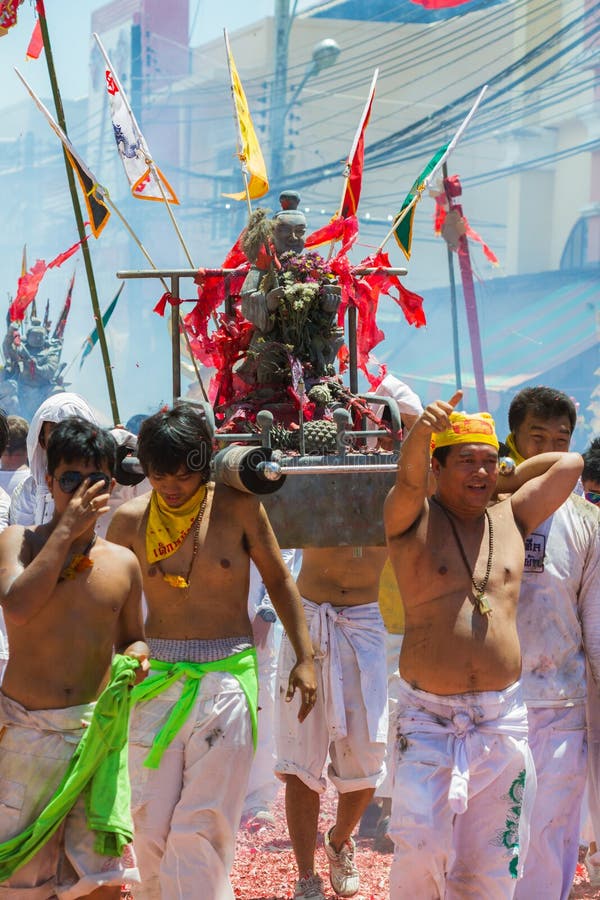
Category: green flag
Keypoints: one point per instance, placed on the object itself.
(92, 339)
(404, 230)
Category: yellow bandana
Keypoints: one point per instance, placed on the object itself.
(477, 428)
(513, 452)
(167, 527)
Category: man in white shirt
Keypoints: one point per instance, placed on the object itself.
(558, 622)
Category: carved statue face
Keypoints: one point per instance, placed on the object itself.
(35, 338)
(289, 233)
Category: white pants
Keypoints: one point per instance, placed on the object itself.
(557, 739)
(36, 747)
(463, 789)
(393, 646)
(349, 719)
(187, 812)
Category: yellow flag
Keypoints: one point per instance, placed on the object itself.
(249, 150)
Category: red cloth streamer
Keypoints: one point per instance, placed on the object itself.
(36, 42)
(441, 211)
(29, 283)
(440, 4)
(167, 297)
(363, 292)
(66, 254)
(339, 229)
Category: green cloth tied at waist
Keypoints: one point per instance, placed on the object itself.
(98, 767)
(243, 666)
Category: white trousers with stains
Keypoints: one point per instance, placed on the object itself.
(463, 788)
(186, 813)
(558, 741)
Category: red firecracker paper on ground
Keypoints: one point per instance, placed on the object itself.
(264, 867)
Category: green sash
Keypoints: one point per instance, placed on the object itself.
(98, 767)
(242, 666)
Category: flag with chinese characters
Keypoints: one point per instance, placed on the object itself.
(250, 154)
(92, 338)
(142, 174)
(93, 193)
(356, 159)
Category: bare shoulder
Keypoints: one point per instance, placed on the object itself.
(17, 540)
(228, 499)
(128, 517)
(118, 555)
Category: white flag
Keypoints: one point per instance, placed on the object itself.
(143, 175)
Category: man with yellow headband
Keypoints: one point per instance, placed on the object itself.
(193, 731)
(559, 628)
(463, 775)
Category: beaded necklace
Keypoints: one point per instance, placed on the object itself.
(180, 581)
(480, 601)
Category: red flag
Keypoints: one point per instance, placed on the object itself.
(36, 42)
(439, 4)
(59, 331)
(30, 282)
(26, 290)
(356, 159)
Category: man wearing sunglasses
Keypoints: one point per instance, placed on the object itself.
(558, 622)
(71, 602)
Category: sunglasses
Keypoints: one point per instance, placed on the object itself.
(70, 481)
(592, 496)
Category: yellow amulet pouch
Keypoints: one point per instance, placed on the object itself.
(168, 528)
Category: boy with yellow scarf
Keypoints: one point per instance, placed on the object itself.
(192, 734)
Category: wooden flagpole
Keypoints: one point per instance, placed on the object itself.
(89, 271)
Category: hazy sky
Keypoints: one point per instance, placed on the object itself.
(69, 25)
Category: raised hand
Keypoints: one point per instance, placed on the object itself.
(89, 501)
(436, 416)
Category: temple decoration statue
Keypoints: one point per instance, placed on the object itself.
(292, 299)
(31, 368)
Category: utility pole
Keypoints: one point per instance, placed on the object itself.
(279, 93)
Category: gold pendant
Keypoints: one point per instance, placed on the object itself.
(483, 607)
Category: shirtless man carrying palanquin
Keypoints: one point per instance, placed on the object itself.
(192, 729)
(463, 772)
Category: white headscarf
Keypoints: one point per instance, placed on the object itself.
(55, 409)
